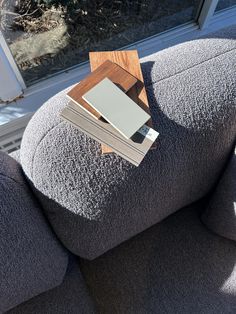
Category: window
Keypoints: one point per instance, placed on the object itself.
(48, 36)
(223, 4)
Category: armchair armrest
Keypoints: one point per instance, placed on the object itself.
(31, 258)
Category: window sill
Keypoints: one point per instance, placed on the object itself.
(36, 95)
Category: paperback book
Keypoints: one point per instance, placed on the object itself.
(132, 149)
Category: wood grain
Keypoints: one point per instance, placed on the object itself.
(114, 72)
(129, 61)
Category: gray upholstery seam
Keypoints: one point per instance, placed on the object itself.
(6, 176)
(45, 135)
(155, 82)
(195, 65)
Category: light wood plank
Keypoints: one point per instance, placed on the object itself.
(129, 61)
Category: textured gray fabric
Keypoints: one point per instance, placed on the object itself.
(31, 258)
(175, 267)
(71, 297)
(97, 202)
(220, 215)
(177, 59)
(16, 155)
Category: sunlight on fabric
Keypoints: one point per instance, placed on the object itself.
(229, 285)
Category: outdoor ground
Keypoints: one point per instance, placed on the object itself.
(45, 38)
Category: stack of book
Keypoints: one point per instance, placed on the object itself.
(101, 109)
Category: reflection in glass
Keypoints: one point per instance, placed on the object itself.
(47, 36)
(223, 4)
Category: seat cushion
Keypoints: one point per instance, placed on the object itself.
(70, 297)
(16, 155)
(220, 215)
(95, 202)
(176, 266)
(32, 260)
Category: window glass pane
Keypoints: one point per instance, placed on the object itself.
(223, 4)
(47, 36)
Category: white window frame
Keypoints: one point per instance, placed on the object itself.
(25, 100)
(11, 81)
(207, 12)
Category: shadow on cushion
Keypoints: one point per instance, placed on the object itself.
(176, 266)
(71, 297)
(220, 215)
(31, 258)
(97, 202)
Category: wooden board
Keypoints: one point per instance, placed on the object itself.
(114, 72)
(129, 61)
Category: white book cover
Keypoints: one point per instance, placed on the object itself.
(116, 107)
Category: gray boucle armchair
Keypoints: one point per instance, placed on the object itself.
(96, 234)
